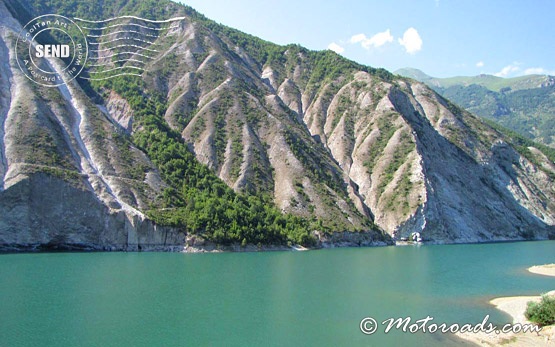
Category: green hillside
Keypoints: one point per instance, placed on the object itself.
(524, 104)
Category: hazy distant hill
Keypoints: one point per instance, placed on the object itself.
(525, 104)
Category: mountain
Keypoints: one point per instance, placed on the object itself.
(490, 82)
(524, 104)
(415, 74)
(205, 134)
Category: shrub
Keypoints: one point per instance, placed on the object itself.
(543, 312)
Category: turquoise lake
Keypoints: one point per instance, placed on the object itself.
(314, 298)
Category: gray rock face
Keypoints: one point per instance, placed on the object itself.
(45, 212)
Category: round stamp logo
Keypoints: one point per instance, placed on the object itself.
(51, 50)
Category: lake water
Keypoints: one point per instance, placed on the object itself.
(314, 298)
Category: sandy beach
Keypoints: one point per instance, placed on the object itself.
(515, 307)
(547, 270)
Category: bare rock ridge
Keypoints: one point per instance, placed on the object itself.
(327, 139)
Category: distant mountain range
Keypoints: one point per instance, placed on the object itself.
(525, 104)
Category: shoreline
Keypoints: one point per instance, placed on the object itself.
(515, 306)
(194, 247)
(209, 247)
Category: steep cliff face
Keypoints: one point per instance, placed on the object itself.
(327, 139)
(42, 212)
(68, 176)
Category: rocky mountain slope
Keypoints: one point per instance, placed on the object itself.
(524, 104)
(115, 161)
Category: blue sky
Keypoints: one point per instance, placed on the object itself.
(442, 38)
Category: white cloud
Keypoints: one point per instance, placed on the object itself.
(534, 71)
(376, 41)
(480, 64)
(538, 71)
(336, 48)
(357, 38)
(508, 70)
(411, 41)
(515, 69)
